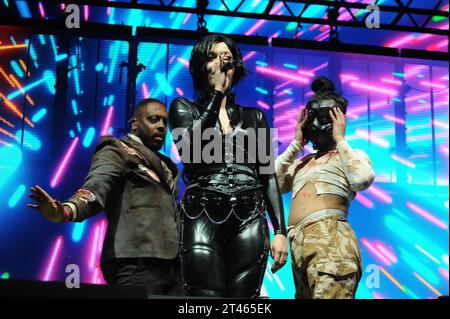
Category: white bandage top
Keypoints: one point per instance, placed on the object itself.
(343, 171)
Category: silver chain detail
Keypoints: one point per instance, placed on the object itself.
(255, 210)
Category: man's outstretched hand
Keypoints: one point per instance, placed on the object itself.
(50, 208)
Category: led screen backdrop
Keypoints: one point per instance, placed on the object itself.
(250, 22)
(47, 137)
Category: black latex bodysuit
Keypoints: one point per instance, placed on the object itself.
(224, 233)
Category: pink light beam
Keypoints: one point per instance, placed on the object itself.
(108, 120)
(62, 167)
(55, 252)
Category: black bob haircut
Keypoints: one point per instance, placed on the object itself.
(199, 58)
(324, 89)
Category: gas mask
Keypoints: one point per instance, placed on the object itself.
(318, 128)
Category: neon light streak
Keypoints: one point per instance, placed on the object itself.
(164, 84)
(74, 107)
(186, 18)
(41, 10)
(23, 65)
(263, 105)
(275, 276)
(255, 27)
(406, 232)
(145, 91)
(78, 230)
(179, 91)
(281, 74)
(402, 41)
(440, 124)
(320, 67)
(15, 109)
(400, 286)
(174, 153)
(282, 85)
(428, 216)
(444, 150)
(445, 259)
(61, 57)
(423, 251)
(61, 168)
(443, 272)
(427, 284)
(16, 196)
(275, 35)
(377, 295)
(16, 68)
(403, 161)
(393, 119)
(373, 88)
(270, 227)
(27, 88)
(3, 131)
(6, 122)
(390, 81)
(102, 236)
(94, 247)
(89, 137)
(5, 275)
(282, 103)
(29, 140)
(107, 122)
(55, 253)
(95, 276)
(261, 90)
(437, 46)
(2, 72)
(86, 13)
(249, 55)
(258, 24)
(375, 252)
(386, 252)
(380, 194)
(183, 61)
(351, 115)
(17, 84)
(113, 53)
(306, 73)
(372, 138)
(433, 85)
(284, 92)
(9, 47)
(268, 276)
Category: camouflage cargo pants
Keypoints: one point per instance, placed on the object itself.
(326, 259)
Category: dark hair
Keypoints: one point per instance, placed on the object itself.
(143, 103)
(324, 89)
(140, 106)
(199, 58)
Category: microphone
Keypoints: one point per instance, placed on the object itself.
(229, 65)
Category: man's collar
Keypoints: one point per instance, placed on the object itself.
(134, 137)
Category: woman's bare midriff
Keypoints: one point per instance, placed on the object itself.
(307, 202)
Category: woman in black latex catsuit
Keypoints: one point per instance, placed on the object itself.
(224, 233)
